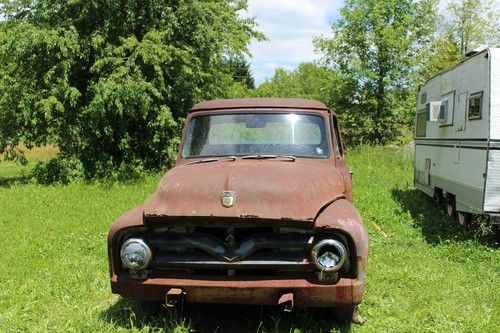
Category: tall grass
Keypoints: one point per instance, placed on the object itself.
(425, 273)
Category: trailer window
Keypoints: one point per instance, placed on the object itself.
(475, 105)
(447, 109)
(423, 98)
(421, 125)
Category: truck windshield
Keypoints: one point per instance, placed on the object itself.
(291, 134)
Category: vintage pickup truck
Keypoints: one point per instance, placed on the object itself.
(257, 210)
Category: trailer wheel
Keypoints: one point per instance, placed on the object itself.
(450, 206)
(438, 196)
(463, 218)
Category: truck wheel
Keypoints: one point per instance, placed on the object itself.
(463, 218)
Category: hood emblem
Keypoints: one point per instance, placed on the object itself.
(228, 198)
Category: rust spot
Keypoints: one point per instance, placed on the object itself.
(249, 216)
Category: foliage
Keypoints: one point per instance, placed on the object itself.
(313, 81)
(109, 82)
(58, 171)
(473, 23)
(467, 24)
(307, 81)
(425, 272)
(445, 55)
(240, 71)
(379, 46)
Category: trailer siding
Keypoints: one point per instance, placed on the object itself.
(462, 155)
(492, 191)
(492, 188)
(495, 94)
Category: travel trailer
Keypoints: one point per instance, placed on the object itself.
(457, 137)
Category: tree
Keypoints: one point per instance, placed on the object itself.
(110, 81)
(379, 46)
(240, 71)
(467, 24)
(307, 81)
(473, 23)
(312, 81)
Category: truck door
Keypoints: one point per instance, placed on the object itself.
(340, 162)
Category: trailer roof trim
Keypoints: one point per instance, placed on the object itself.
(475, 53)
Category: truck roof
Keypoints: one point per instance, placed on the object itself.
(288, 103)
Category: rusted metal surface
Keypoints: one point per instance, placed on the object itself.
(174, 295)
(252, 103)
(313, 195)
(286, 301)
(268, 189)
(249, 291)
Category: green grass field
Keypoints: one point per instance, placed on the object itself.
(425, 273)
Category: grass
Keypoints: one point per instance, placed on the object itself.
(425, 272)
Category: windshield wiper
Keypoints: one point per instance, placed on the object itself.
(213, 159)
(265, 157)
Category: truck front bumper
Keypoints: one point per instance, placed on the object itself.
(242, 291)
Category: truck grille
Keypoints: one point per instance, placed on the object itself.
(230, 251)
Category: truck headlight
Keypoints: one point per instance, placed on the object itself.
(135, 254)
(329, 255)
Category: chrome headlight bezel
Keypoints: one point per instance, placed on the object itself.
(145, 247)
(339, 248)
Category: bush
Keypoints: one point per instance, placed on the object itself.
(59, 171)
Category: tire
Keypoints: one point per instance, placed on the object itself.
(463, 218)
(438, 196)
(343, 315)
(449, 206)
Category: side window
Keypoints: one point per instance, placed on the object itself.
(447, 109)
(423, 98)
(475, 106)
(336, 138)
(421, 125)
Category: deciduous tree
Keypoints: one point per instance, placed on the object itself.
(464, 26)
(110, 81)
(379, 47)
(473, 23)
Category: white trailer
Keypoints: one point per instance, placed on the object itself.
(457, 137)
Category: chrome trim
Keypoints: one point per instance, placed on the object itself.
(342, 252)
(228, 198)
(141, 242)
(229, 253)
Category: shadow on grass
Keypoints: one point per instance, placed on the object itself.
(16, 180)
(436, 227)
(221, 318)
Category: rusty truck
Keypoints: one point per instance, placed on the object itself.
(258, 209)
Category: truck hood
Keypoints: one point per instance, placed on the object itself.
(266, 189)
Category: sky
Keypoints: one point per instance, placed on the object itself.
(290, 26)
